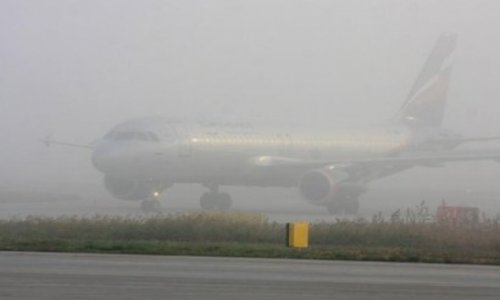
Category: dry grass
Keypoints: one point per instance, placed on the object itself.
(413, 238)
(214, 227)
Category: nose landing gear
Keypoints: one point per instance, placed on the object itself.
(214, 200)
(151, 204)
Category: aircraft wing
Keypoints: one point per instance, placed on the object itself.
(433, 158)
(414, 158)
(453, 142)
(367, 169)
(468, 140)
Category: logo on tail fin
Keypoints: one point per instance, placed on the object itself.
(425, 104)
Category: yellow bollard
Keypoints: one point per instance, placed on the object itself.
(298, 235)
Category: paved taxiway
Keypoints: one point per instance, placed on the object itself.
(87, 276)
(281, 205)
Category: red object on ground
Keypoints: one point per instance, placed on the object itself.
(457, 216)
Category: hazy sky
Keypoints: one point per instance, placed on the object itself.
(75, 68)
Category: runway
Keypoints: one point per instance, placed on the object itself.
(89, 276)
(280, 205)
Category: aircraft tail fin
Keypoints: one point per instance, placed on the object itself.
(425, 104)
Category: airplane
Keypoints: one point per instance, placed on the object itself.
(142, 158)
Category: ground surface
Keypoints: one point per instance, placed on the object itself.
(283, 205)
(85, 276)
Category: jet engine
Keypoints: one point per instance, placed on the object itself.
(127, 189)
(320, 186)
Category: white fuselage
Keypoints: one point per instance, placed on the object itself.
(232, 154)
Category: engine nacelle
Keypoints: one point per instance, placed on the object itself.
(127, 189)
(320, 186)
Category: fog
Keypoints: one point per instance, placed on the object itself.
(76, 68)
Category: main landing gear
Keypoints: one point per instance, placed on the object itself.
(151, 204)
(214, 200)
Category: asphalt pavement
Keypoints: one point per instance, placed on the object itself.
(94, 276)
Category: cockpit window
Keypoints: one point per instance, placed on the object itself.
(166, 133)
(125, 136)
(109, 136)
(147, 136)
(142, 136)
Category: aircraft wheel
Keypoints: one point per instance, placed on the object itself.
(224, 201)
(208, 201)
(151, 206)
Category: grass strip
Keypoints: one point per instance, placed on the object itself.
(244, 235)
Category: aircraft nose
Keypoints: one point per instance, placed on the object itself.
(108, 159)
(100, 158)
